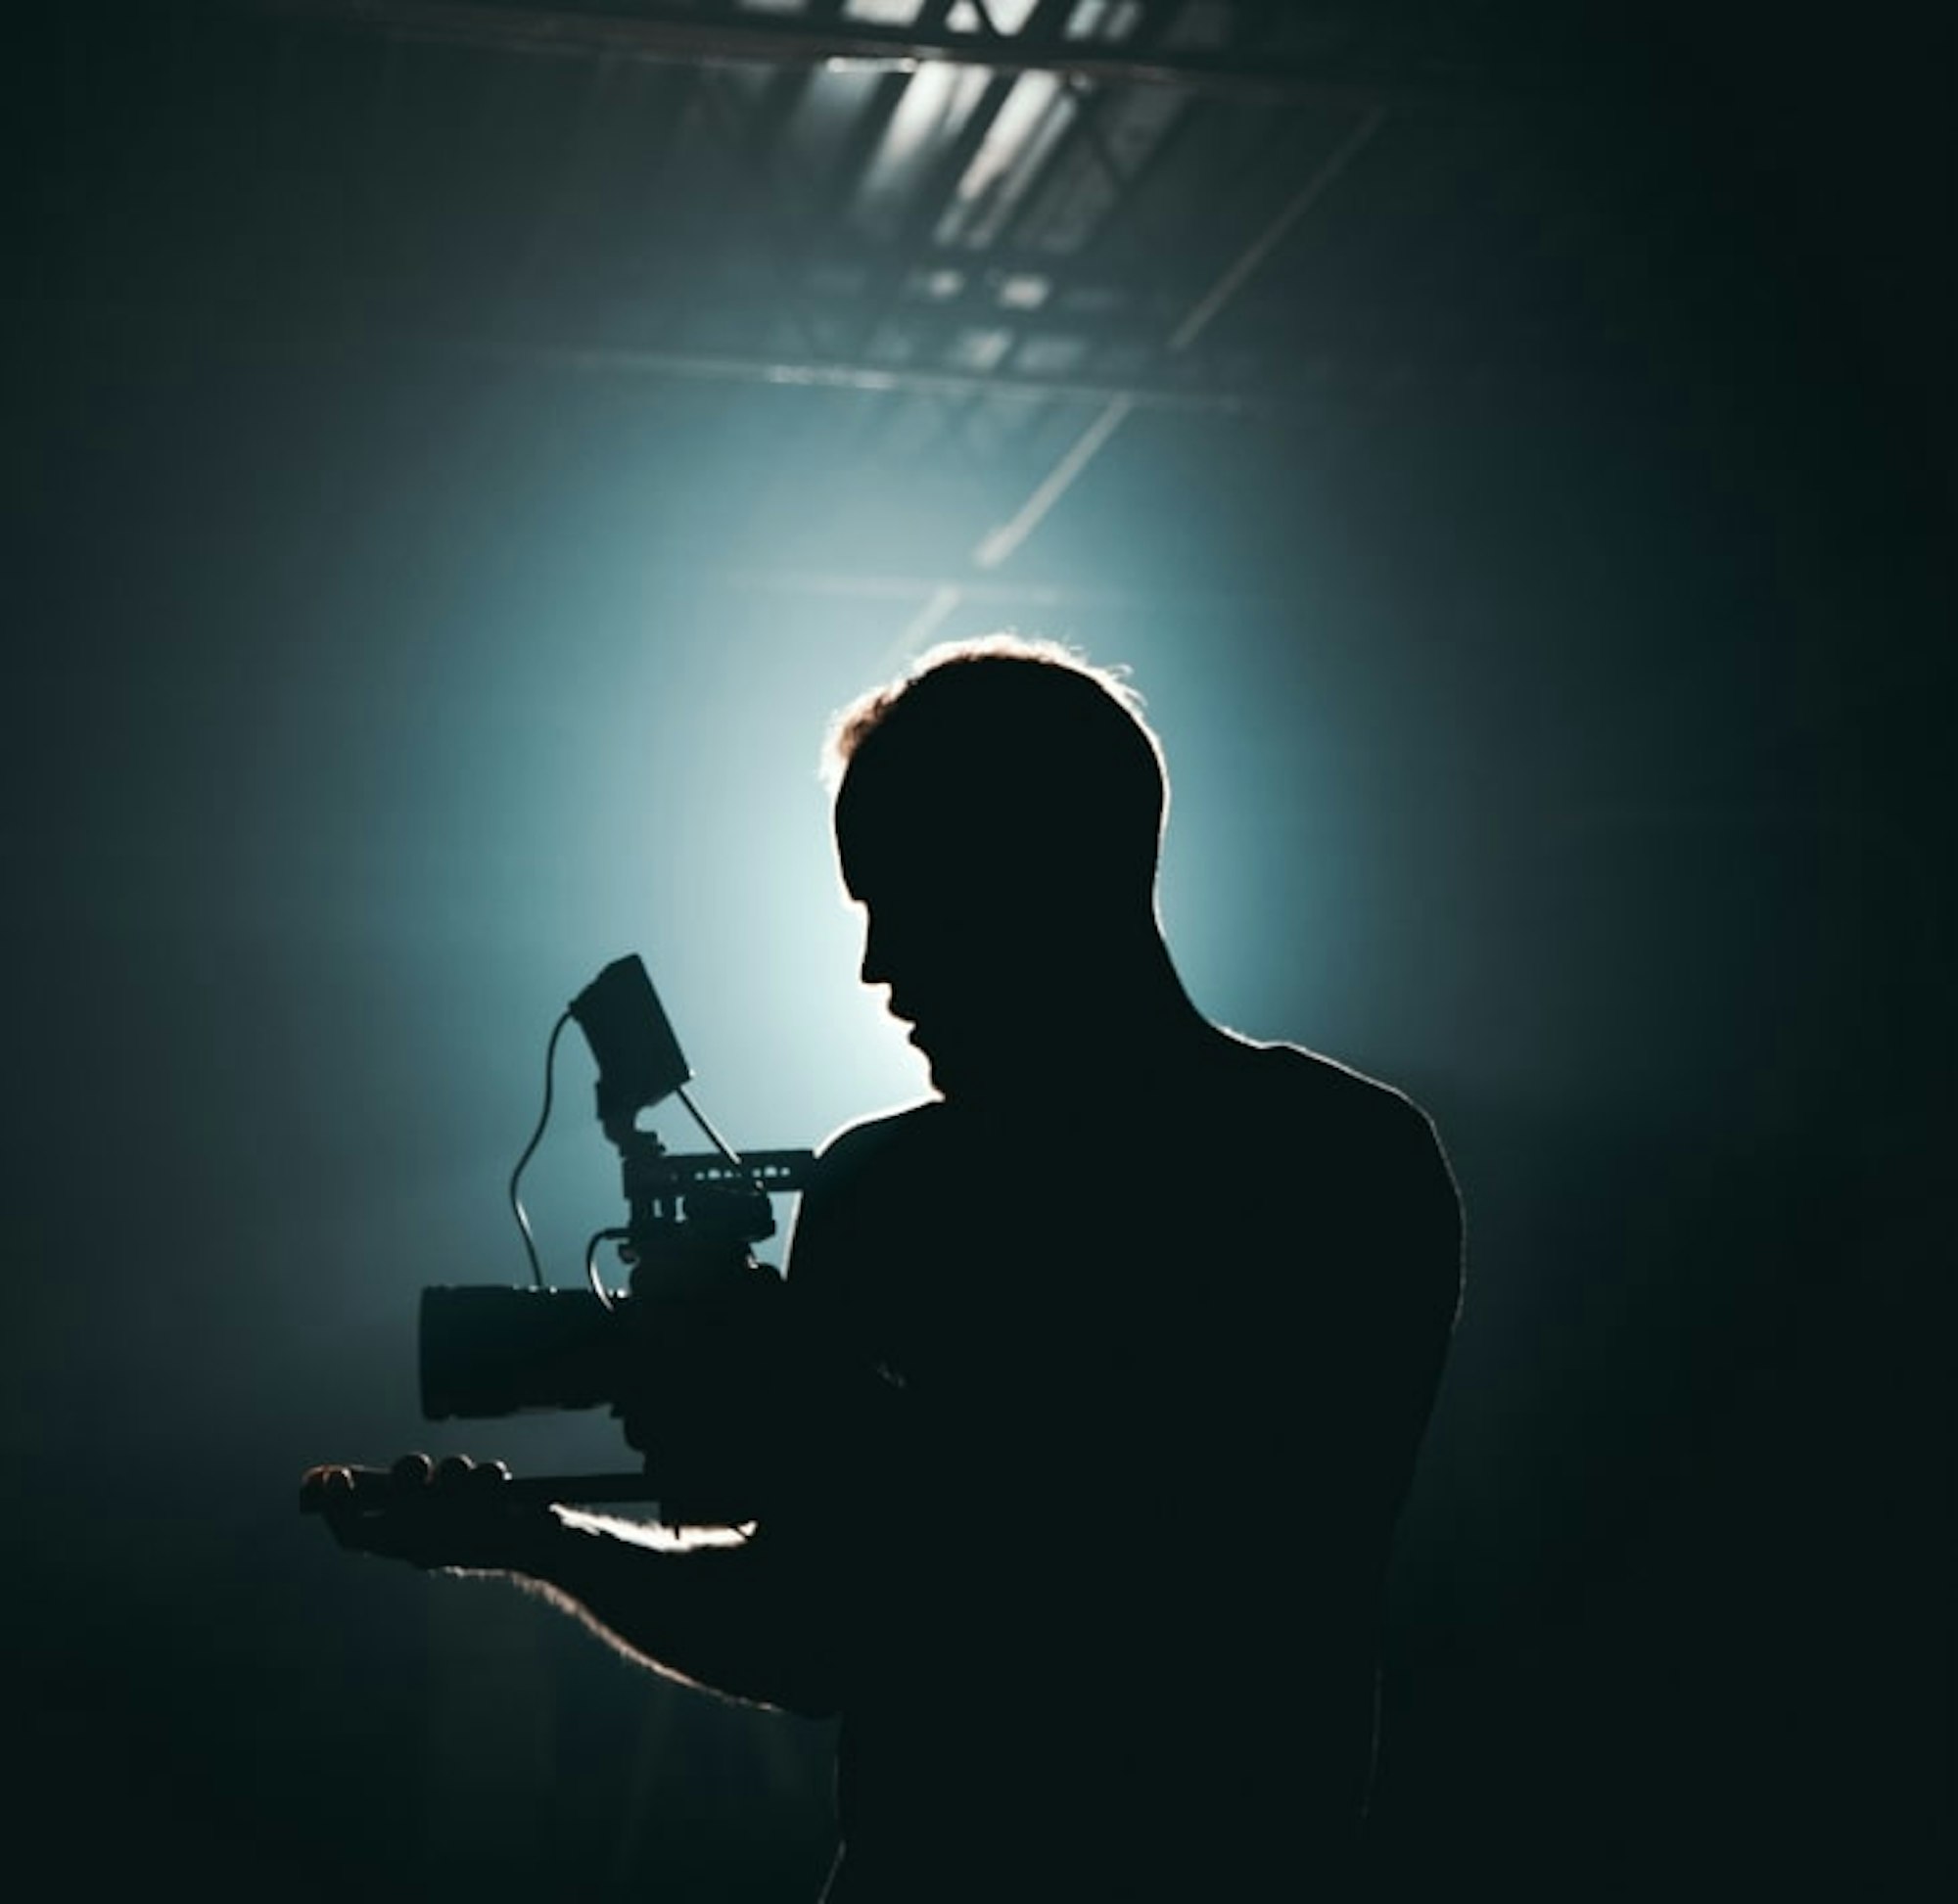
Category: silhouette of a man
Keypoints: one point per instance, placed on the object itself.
(1111, 1364)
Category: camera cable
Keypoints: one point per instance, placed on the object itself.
(537, 1136)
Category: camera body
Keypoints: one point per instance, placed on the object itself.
(489, 1350)
(689, 1352)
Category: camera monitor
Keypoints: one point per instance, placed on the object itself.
(639, 1059)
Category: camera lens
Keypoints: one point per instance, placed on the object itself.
(488, 1351)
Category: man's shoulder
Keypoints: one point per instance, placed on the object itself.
(1252, 1083)
(910, 1127)
(1295, 1083)
(870, 1153)
(872, 1187)
(1377, 1173)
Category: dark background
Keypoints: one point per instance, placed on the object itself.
(1539, 572)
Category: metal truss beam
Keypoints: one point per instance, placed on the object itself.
(663, 33)
(1334, 373)
(869, 378)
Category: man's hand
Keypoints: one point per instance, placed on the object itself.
(455, 1512)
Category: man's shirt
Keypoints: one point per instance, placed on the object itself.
(1125, 1388)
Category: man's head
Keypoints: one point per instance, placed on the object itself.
(998, 815)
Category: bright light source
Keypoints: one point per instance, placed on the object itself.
(1023, 291)
(1010, 16)
(1035, 114)
(935, 105)
(1051, 357)
(883, 13)
(981, 351)
(1010, 132)
(1104, 19)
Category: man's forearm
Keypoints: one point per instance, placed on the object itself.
(732, 1616)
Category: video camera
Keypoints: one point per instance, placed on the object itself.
(697, 1323)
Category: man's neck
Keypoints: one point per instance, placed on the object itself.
(1131, 1027)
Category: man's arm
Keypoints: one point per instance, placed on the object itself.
(744, 1618)
(767, 1619)
(1400, 1231)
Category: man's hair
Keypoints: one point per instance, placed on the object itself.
(1023, 745)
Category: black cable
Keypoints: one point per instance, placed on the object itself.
(537, 1136)
(713, 1135)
